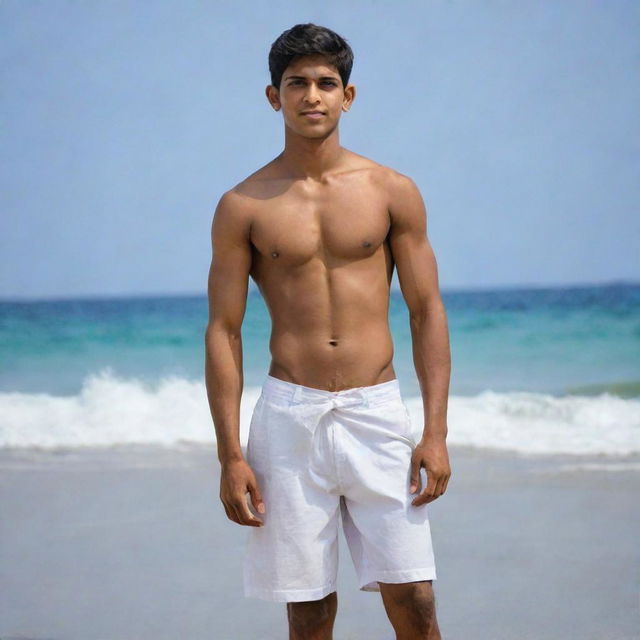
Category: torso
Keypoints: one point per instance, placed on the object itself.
(321, 259)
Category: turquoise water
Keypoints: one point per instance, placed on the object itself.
(555, 343)
(550, 340)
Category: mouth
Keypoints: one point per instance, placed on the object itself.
(313, 114)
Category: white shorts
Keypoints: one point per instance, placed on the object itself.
(319, 454)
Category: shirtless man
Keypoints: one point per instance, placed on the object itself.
(320, 229)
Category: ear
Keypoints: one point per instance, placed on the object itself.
(349, 97)
(273, 96)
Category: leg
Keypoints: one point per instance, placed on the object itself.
(313, 619)
(294, 555)
(411, 609)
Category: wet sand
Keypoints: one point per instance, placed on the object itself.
(133, 543)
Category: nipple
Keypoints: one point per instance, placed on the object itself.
(366, 244)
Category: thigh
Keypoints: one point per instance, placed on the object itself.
(294, 555)
(389, 538)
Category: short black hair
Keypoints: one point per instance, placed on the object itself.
(309, 39)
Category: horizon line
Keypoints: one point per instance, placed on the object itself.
(253, 289)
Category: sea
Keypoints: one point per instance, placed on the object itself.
(537, 370)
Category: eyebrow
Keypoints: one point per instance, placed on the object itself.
(304, 78)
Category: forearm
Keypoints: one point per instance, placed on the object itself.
(224, 382)
(432, 360)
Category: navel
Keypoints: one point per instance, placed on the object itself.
(274, 254)
(366, 244)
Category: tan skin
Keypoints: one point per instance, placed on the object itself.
(320, 230)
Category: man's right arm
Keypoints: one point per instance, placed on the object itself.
(227, 291)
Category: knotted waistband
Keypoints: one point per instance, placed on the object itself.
(308, 404)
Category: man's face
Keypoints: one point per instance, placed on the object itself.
(310, 84)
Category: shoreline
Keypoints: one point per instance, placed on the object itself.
(118, 454)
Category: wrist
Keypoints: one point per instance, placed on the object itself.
(433, 433)
(230, 458)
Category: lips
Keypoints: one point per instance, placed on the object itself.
(312, 113)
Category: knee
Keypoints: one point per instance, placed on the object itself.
(411, 609)
(313, 615)
(415, 595)
(417, 600)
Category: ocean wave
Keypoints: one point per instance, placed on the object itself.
(538, 423)
(112, 410)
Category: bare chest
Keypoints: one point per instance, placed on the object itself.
(340, 223)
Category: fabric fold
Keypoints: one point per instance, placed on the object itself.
(309, 412)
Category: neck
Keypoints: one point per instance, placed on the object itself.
(311, 157)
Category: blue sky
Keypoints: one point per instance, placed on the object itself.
(123, 123)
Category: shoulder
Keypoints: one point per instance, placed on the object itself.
(407, 210)
(257, 187)
(397, 184)
(232, 216)
(238, 207)
(391, 180)
(231, 204)
(238, 203)
(241, 195)
(394, 183)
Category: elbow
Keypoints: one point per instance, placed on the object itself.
(223, 330)
(425, 310)
(418, 318)
(419, 311)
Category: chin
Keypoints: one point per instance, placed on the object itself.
(313, 133)
(323, 131)
(316, 134)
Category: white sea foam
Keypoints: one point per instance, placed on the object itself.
(540, 423)
(111, 410)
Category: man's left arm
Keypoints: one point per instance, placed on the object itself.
(418, 278)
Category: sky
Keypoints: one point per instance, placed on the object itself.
(122, 123)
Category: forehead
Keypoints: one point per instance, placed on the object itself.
(312, 67)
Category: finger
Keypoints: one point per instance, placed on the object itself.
(246, 517)
(437, 491)
(446, 483)
(231, 515)
(236, 510)
(427, 493)
(441, 486)
(420, 499)
(436, 494)
(432, 484)
(256, 498)
(415, 480)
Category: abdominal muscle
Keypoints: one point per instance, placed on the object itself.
(330, 327)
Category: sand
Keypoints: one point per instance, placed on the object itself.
(133, 543)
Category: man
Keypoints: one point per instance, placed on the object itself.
(320, 229)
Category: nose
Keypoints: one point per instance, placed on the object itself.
(311, 95)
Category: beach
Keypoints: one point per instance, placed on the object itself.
(165, 250)
(132, 542)
(112, 526)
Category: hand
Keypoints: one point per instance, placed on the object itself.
(236, 480)
(431, 454)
